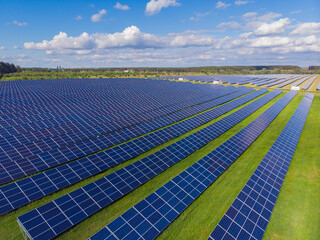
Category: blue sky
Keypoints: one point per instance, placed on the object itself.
(159, 33)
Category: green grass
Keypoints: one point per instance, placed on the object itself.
(296, 214)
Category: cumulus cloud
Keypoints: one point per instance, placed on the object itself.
(222, 5)
(2, 48)
(131, 37)
(239, 2)
(307, 28)
(273, 28)
(121, 7)
(98, 16)
(20, 24)
(233, 25)
(155, 6)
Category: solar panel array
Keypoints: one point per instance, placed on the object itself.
(259, 80)
(303, 79)
(29, 189)
(12, 169)
(267, 81)
(289, 82)
(281, 81)
(40, 225)
(249, 214)
(309, 83)
(151, 216)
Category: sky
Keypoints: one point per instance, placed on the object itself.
(159, 33)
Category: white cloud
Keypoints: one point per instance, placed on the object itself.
(222, 5)
(132, 47)
(307, 28)
(250, 15)
(98, 16)
(16, 58)
(239, 2)
(273, 28)
(16, 47)
(20, 24)
(78, 18)
(155, 6)
(131, 37)
(199, 16)
(269, 16)
(245, 35)
(233, 25)
(269, 41)
(2, 48)
(121, 7)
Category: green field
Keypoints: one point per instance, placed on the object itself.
(296, 214)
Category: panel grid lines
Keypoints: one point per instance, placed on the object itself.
(190, 181)
(249, 214)
(111, 157)
(152, 165)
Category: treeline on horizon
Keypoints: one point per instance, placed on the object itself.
(13, 72)
(6, 68)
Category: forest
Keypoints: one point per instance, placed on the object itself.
(11, 72)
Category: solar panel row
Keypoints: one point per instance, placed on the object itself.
(60, 136)
(281, 81)
(35, 163)
(29, 189)
(61, 98)
(258, 80)
(289, 82)
(268, 81)
(309, 83)
(87, 126)
(108, 189)
(151, 216)
(302, 79)
(249, 214)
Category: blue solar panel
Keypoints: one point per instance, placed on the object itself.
(119, 183)
(86, 167)
(17, 167)
(309, 83)
(249, 214)
(289, 82)
(152, 215)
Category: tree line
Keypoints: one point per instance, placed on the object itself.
(8, 68)
(12, 72)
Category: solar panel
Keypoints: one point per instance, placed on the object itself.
(87, 167)
(280, 81)
(249, 214)
(309, 83)
(153, 214)
(119, 183)
(288, 82)
(44, 160)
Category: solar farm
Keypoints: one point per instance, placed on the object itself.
(175, 157)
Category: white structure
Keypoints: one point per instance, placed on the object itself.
(215, 82)
(295, 88)
(180, 79)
